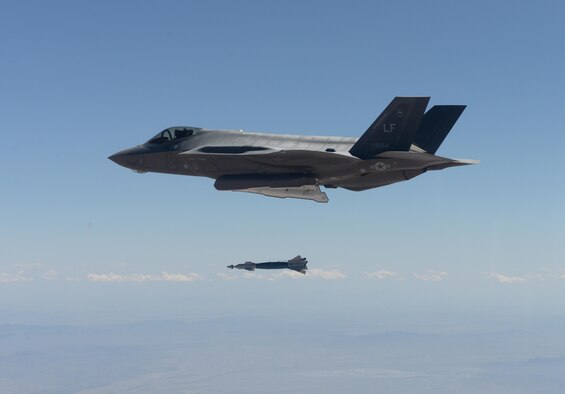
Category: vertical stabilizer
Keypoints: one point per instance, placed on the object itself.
(435, 126)
(394, 129)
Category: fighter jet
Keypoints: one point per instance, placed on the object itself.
(297, 264)
(399, 145)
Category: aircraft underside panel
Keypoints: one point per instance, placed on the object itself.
(249, 181)
(371, 181)
(306, 192)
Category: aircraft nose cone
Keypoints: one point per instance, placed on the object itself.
(116, 158)
(129, 158)
(120, 158)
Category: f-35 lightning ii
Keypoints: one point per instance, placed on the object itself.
(399, 145)
(297, 264)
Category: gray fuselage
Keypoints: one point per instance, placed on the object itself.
(217, 153)
(399, 145)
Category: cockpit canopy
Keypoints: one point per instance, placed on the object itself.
(173, 133)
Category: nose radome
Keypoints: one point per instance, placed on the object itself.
(115, 158)
(129, 158)
(121, 158)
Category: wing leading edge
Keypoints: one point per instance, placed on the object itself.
(306, 192)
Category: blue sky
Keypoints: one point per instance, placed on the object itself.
(113, 281)
(81, 80)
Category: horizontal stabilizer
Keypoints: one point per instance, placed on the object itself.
(435, 126)
(424, 161)
(453, 163)
(394, 129)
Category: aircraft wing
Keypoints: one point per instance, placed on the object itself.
(306, 192)
(300, 180)
(295, 177)
(275, 185)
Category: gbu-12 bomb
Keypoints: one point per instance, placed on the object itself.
(297, 264)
